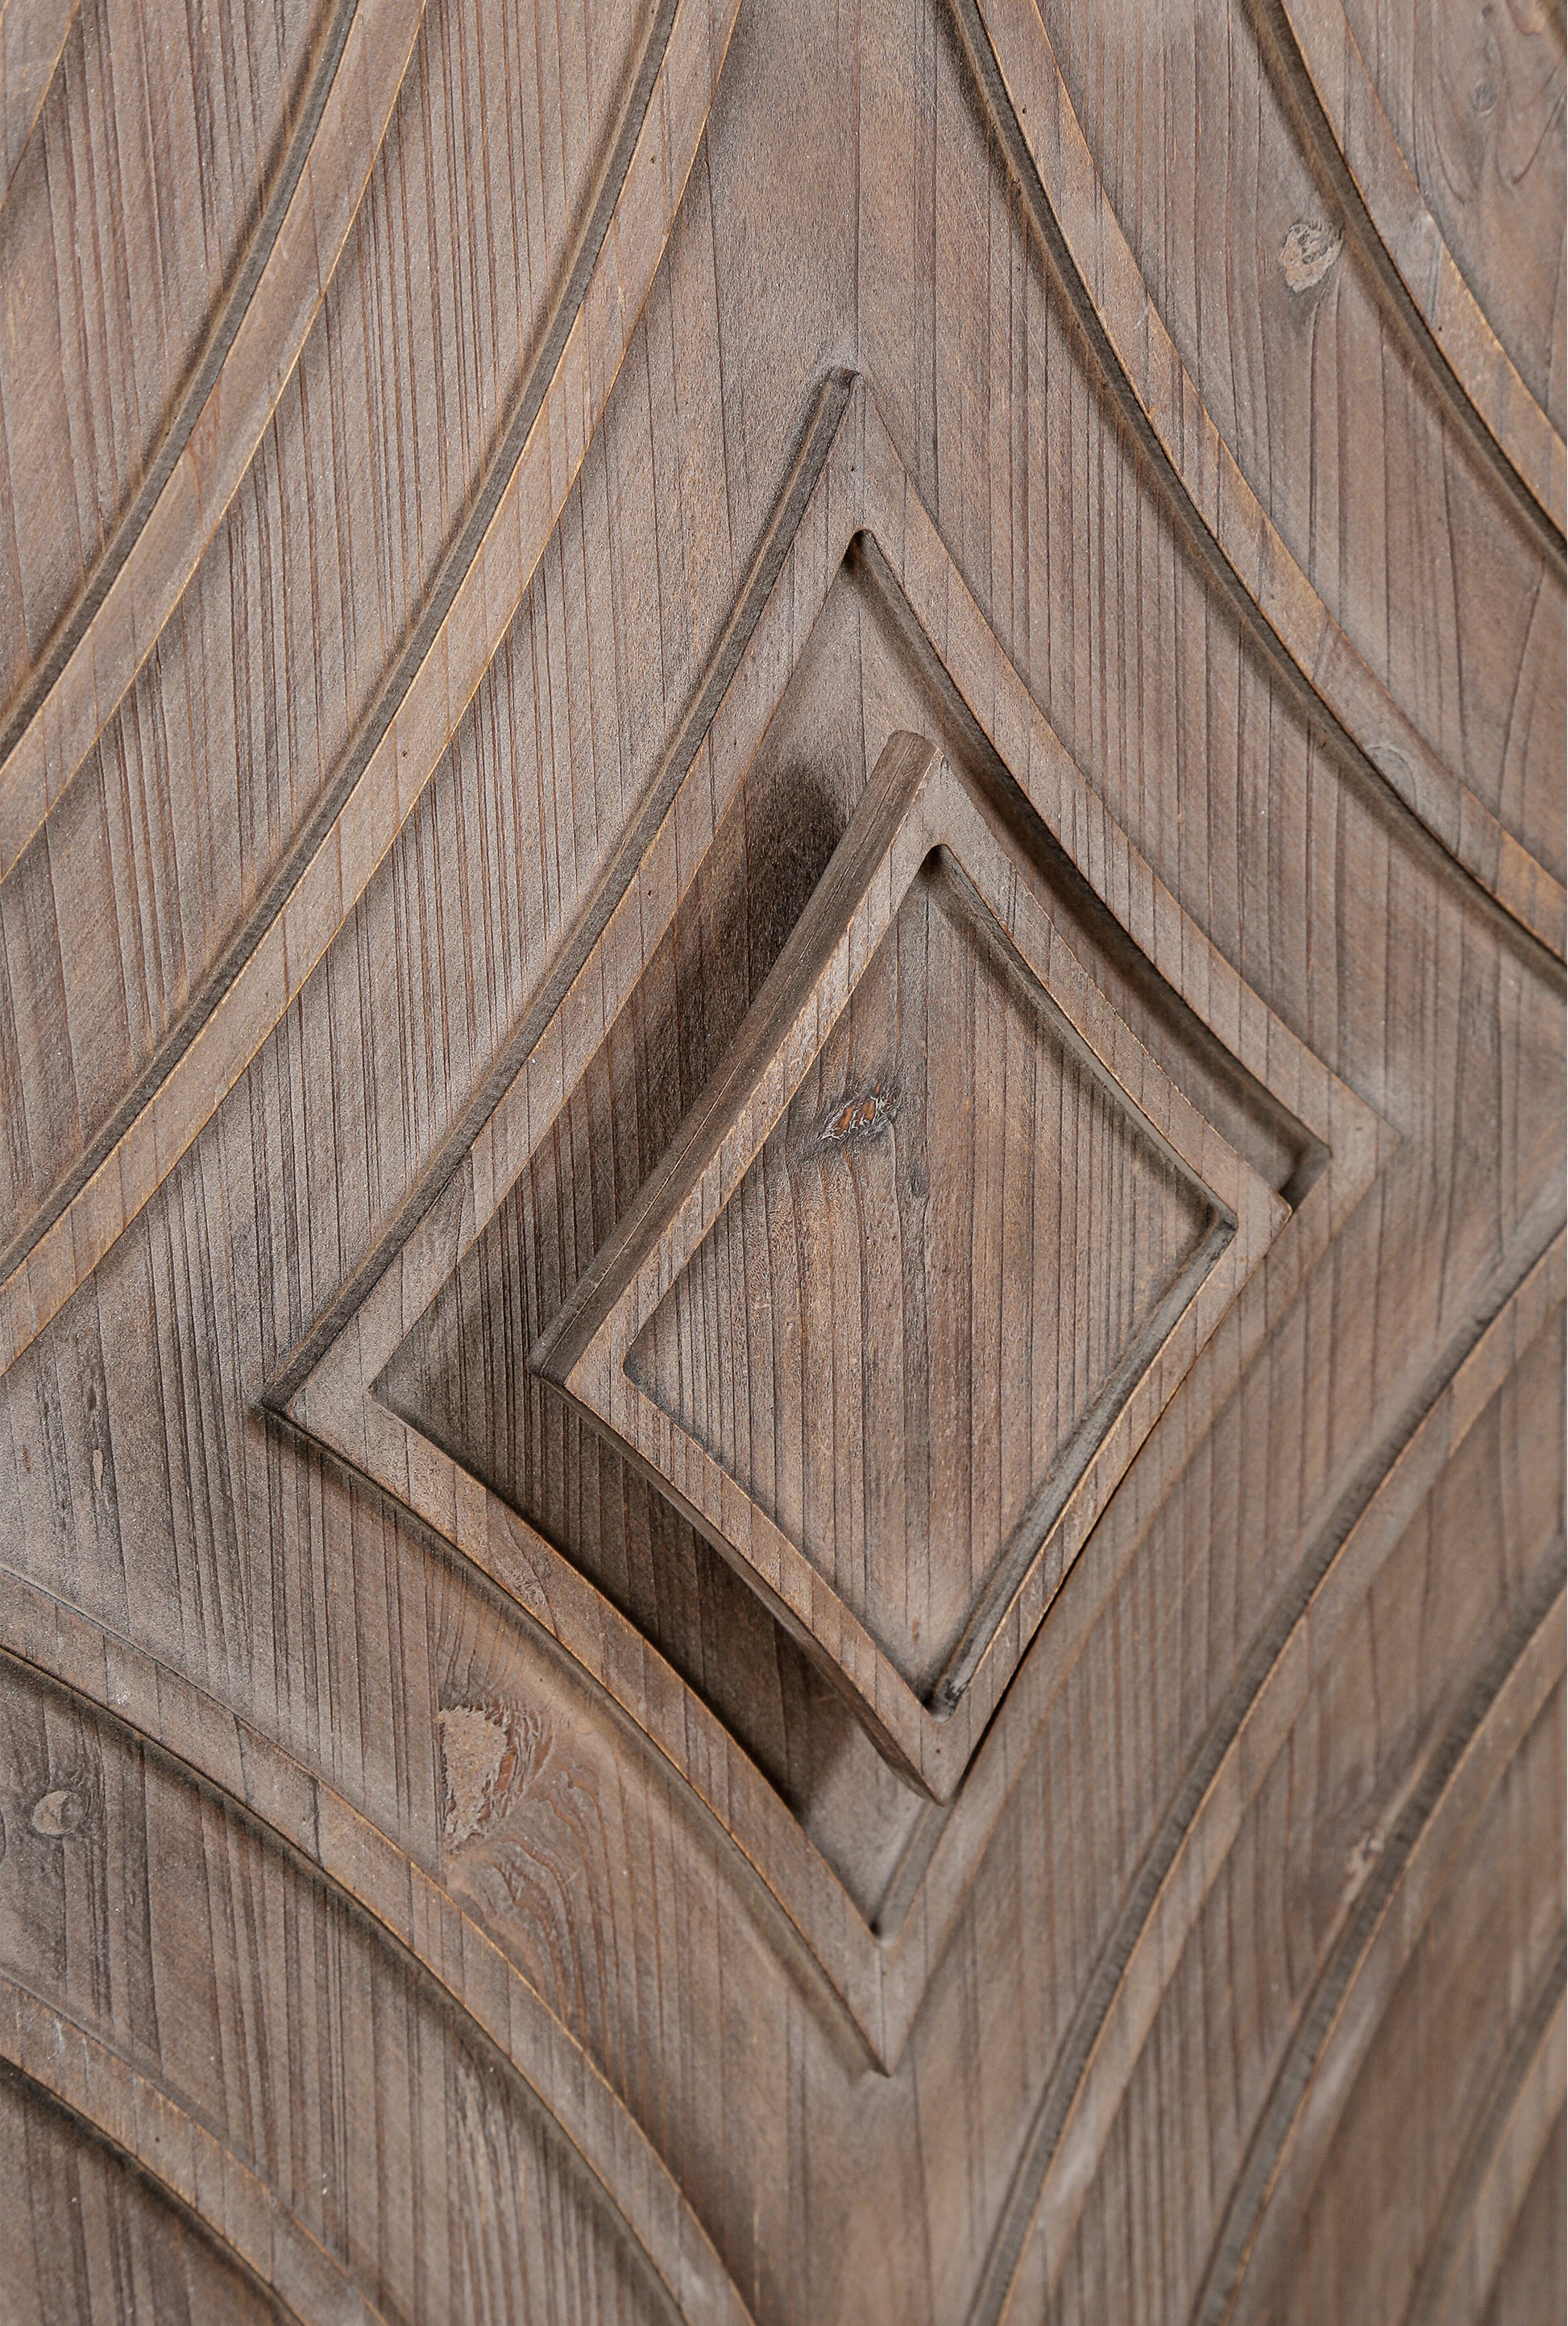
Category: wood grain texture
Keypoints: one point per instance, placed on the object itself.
(1531, 2274)
(1497, 2180)
(1475, 100)
(1432, 1963)
(389, 757)
(781, 1511)
(32, 38)
(95, 2241)
(1283, 536)
(329, 2032)
(144, 196)
(1500, 369)
(93, 657)
(1280, 1798)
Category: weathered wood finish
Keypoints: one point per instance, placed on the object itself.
(782, 1257)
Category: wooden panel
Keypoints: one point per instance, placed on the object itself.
(782, 1260)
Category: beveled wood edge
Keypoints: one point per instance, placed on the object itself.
(239, 2213)
(337, 1411)
(1327, 52)
(65, 20)
(1019, 80)
(1484, 2200)
(412, 1913)
(914, 804)
(812, 974)
(1344, 2011)
(217, 418)
(327, 871)
(861, 493)
(607, 898)
(1099, 2052)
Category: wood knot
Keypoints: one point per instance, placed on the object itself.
(1359, 1860)
(859, 1117)
(58, 1813)
(1308, 252)
(490, 1754)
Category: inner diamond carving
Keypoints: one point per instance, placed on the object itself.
(903, 1332)
(922, 1268)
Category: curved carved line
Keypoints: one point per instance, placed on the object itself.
(112, 626)
(404, 735)
(1483, 2200)
(46, 81)
(1020, 79)
(1317, 35)
(1100, 2051)
(241, 2213)
(1342, 2017)
(412, 1913)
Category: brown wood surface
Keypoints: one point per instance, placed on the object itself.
(782, 1257)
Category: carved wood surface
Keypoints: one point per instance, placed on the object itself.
(782, 1255)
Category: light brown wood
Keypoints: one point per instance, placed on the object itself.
(782, 1256)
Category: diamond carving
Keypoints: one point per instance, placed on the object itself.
(920, 1271)
(901, 1334)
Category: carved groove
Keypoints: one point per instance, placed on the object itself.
(1024, 88)
(28, 711)
(1509, 2137)
(1316, 38)
(611, 886)
(1367, 1521)
(1514, 1684)
(142, 2121)
(328, 868)
(359, 1862)
(374, 728)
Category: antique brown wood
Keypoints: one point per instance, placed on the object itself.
(782, 1256)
